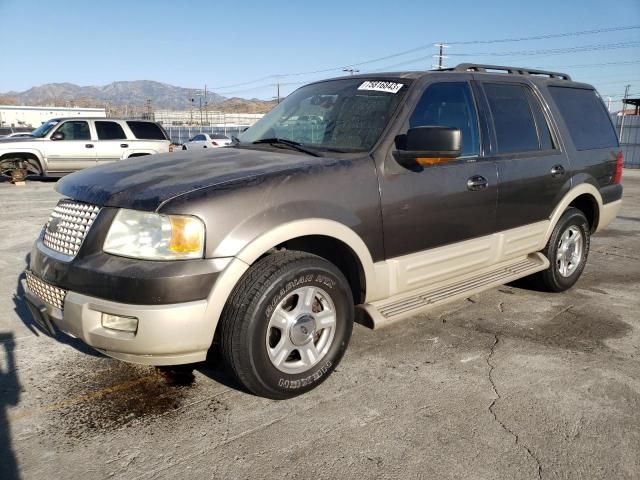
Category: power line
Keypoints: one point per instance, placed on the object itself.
(430, 45)
(547, 36)
(552, 51)
(580, 65)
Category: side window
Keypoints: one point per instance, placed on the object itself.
(449, 104)
(146, 130)
(199, 138)
(512, 117)
(544, 133)
(75, 130)
(586, 118)
(110, 131)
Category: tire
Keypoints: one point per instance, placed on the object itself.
(184, 147)
(571, 233)
(271, 338)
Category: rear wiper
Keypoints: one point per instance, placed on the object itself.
(288, 143)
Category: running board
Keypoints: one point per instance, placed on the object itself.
(399, 307)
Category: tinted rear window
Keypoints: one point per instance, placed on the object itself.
(110, 131)
(146, 130)
(586, 118)
(512, 118)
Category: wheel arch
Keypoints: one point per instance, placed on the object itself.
(32, 156)
(315, 236)
(329, 239)
(584, 196)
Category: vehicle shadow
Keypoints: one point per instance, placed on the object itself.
(9, 396)
(32, 178)
(215, 369)
(24, 314)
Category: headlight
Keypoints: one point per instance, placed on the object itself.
(153, 236)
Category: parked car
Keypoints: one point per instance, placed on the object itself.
(64, 145)
(18, 135)
(207, 140)
(7, 131)
(426, 187)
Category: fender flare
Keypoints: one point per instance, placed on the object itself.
(32, 151)
(575, 192)
(260, 245)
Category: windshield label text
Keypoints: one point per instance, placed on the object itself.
(380, 86)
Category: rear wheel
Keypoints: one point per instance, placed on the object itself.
(567, 251)
(287, 324)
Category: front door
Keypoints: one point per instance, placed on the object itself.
(444, 203)
(74, 151)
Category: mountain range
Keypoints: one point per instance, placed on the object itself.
(128, 93)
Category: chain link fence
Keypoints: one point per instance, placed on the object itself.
(629, 133)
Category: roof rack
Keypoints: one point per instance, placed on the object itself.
(472, 67)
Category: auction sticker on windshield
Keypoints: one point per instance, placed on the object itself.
(381, 86)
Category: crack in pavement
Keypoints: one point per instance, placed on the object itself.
(496, 340)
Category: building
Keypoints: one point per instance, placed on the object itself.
(180, 118)
(33, 117)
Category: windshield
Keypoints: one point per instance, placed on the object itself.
(345, 115)
(45, 128)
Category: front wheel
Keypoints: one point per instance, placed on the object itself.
(17, 169)
(567, 251)
(287, 324)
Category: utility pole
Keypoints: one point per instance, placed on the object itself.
(626, 93)
(351, 70)
(440, 55)
(609, 104)
(191, 99)
(278, 91)
(206, 104)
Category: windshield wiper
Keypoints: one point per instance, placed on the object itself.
(288, 143)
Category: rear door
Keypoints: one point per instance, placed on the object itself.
(112, 141)
(534, 173)
(75, 151)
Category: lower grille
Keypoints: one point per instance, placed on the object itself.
(48, 293)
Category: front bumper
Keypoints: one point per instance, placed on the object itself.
(167, 334)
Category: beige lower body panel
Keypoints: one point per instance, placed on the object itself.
(608, 213)
(167, 334)
(399, 307)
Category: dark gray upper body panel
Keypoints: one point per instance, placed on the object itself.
(240, 193)
(145, 183)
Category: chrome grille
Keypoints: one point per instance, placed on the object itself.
(45, 292)
(68, 225)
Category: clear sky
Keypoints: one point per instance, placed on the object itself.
(190, 43)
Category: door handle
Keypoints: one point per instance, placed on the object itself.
(124, 145)
(477, 182)
(89, 145)
(557, 170)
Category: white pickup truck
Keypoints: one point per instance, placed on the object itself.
(64, 145)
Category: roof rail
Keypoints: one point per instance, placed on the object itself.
(473, 67)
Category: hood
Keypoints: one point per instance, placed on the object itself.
(145, 183)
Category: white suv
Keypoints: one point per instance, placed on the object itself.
(64, 145)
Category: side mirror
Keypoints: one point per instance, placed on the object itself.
(57, 136)
(429, 146)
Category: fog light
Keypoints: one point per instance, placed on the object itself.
(117, 322)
